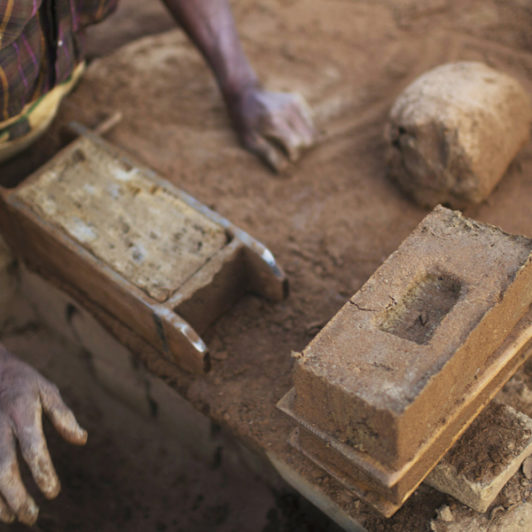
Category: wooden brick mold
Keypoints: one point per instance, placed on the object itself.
(388, 385)
(111, 231)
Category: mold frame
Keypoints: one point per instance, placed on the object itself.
(54, 254)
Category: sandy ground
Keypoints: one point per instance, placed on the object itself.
(330, 221)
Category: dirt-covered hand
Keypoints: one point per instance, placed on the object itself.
(266, 121)
(24, 394)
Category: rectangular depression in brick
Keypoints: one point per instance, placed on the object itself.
(115, 234)
(386, 386)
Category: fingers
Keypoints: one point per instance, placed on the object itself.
(28, 430)
(301, 120)
(290, 127)
(289, 134)
(265, 151)
(6, 515)
(11, 488)
(23, 395)
(61, 416)
(286, 138)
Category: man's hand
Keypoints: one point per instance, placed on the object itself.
(265, 121)
(24, 394)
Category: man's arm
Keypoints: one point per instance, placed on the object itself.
(262, 119)
(24, 394)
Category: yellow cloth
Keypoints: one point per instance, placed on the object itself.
(39, 115)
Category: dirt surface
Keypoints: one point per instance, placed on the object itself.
(330, 221)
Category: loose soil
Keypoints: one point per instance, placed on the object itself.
(330, 220)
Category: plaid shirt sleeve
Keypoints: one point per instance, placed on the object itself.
(41, 42)
(14, 16)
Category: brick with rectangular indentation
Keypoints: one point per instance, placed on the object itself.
(397, 360)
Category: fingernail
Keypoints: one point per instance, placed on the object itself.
(28, 512)
(47, 479)
(51, 486)
(82, 435)
(78, 434)
(6, 515)
(56, 489)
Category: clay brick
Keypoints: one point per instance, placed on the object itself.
(478, 466)
(391, 365)
(398, 374)
(454, 131)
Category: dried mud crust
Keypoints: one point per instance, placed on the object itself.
(335, 218)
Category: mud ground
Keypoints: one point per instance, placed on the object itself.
(330, 221)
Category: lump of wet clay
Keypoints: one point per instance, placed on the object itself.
(453, 132)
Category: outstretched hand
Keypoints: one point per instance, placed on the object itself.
(272, 125)
(24, 394)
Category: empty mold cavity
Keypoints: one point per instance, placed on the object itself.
(417, 316)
